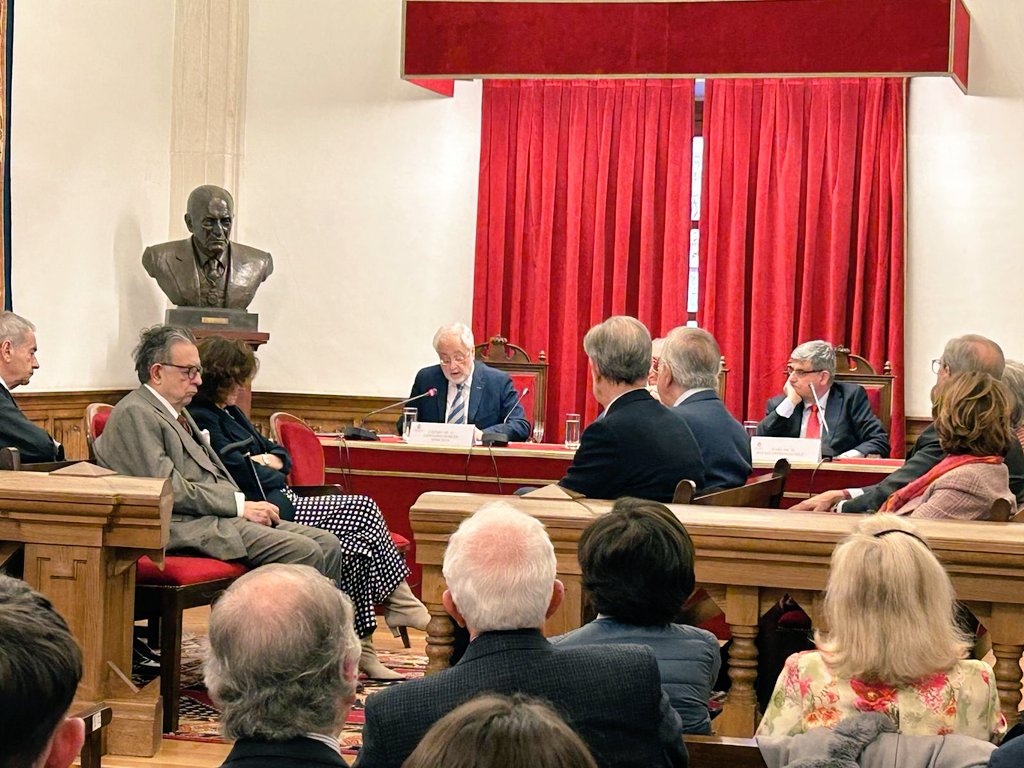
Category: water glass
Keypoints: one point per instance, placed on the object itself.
(538, 432)
(572, 430)
(751, 427)
(408, 419)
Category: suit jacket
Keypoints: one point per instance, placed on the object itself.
(610, 695)
(294, 753)
(16, 431)
(142, 439)
(964, 493)
(492, 399)
(724, 443)
(638, 448)
(174, 266)
(852, 425)
(926, 453)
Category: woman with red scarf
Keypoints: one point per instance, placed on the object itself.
(972, 420)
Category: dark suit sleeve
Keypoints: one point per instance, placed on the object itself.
(516, 426)
(16, 431)
(595, 463)
(374, 751)
(773, 425)
(865, 425)
(927, 453)
(1015, 466)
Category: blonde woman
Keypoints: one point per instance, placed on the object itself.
(892, 646)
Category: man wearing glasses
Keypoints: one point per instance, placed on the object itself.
(814, 405)
(467, 392)
(150, 434)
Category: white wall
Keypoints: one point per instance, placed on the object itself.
(966, 200)
(363, 187)
(90, 126)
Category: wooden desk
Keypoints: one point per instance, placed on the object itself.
(81, 537)
(747, 559)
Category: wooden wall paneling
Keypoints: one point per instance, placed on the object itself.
(61, 414)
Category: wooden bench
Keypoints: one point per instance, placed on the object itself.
(720, 751)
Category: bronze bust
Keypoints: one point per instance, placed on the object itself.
(207, 269)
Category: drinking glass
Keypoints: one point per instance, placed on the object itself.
(751, 427)
(538, 432)
(572, 430)
(408, 419)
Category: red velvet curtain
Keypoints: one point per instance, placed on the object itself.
(802, 227)
(584, 212)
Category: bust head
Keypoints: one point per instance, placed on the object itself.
(209, 215)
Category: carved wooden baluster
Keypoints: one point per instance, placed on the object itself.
(440, 639)
(1007, 669)
(739, 714)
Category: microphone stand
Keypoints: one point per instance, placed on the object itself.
(362, 433)
(490, 437)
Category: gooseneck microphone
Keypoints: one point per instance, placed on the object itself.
(491, 437)
(361, 433)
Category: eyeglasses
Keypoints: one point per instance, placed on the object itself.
(456, 358)
(790, 370)
(191, 371)
(938, 364)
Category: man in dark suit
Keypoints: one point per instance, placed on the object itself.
(638, 447)
(499, 568)
(965, 353)
(467, 391)
(849, 429)
(285, 691)
(207, 270)
(17, 364)
(688, 369)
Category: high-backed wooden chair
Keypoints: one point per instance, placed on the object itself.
(764, 492)
(1001, 512)
(10, 460)
(685, 491)
(723, 377)
(525, 373)
(163, 594)
(878, 386)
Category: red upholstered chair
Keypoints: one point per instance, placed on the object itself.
(161, 595)
(524, 372)
(878, 386)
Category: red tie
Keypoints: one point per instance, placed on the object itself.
(813, 425)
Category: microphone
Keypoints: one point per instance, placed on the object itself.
(827, 454)
(490, 437)
(361, 433)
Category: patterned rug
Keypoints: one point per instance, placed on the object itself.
(200, 721)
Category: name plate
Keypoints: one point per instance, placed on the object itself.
(451, 435)
(796, 449)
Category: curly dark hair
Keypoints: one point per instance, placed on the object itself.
(225, 362)
(637, 563)
(972, 415)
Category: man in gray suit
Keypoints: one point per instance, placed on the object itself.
(499, 567)
(149, 434)
(207, 270)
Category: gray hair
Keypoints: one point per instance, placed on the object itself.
(155, 347)
(819, 353)
(283, 654)
(974, 353)
(1013, 378)
(40, 666)
(693, 357)
(459, 330)
(14, 328)
(500, 569)
(620, 349)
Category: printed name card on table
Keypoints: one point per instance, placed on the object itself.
(451, 435)
(798, 450)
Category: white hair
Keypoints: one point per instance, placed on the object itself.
(14, 328)
(460, 331)
(500, 569)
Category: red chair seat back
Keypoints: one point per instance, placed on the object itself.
(307, 454)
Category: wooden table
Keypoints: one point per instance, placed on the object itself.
(81, 537)
(747, 559)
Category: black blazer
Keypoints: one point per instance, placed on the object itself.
(724, 443)
(294, 753)
(610, 695)
(16, 431)
(638, 448)
(229, 425)
(851, 423)
(492, 399)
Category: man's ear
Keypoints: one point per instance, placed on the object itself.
(452, 609)
(66, 743)
(6, 350)
(557, 593)
(188, 222)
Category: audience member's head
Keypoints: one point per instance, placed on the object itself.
(40, 666)
(455, 350)
(228, 366)
(690, 359)
(652, 373)
(971, 353)
(17, 350)
(167, 360)
(619, 350)
(493, 731)
(1013, 378)
(972, 415)
(283, 654)
(500, 570)
(889, 606)
(637, 563)
(811, 368)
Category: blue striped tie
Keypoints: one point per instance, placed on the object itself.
(457, 415)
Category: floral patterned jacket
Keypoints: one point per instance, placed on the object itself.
(961, 700)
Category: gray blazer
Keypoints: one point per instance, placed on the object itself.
(143, 440)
